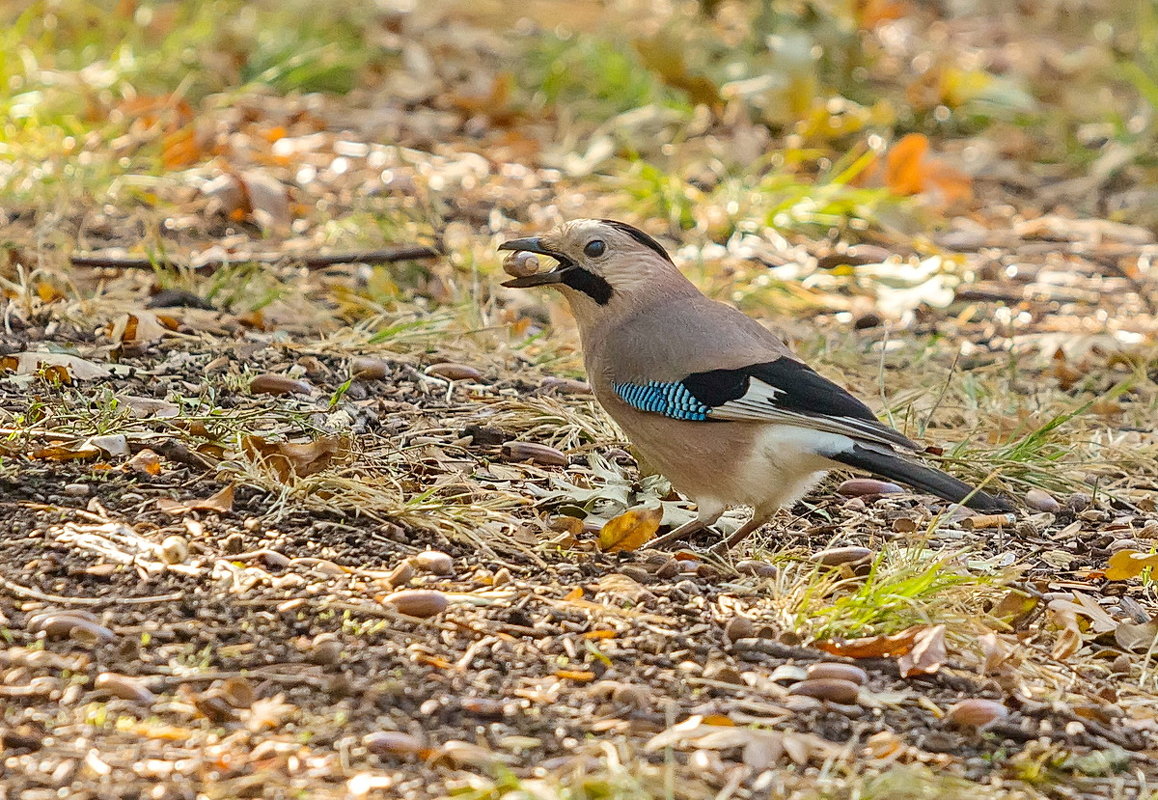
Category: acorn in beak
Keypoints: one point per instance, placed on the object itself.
(534, 244)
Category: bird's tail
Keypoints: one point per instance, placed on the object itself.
(926, 479)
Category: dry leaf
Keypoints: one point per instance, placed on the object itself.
(909, 170)
(1126, 564)
(927, 655)
(60, 452)
(1069, 640)
(1015, 608)
(630, 530)
(904, 174)
(31, 363)
(1137, 637)
(299, 459)
(146, 462)
(220, 502)
(894, 645)
(140, 326)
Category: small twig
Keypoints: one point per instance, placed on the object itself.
(28, 593)
(405, 252)
(167, 681)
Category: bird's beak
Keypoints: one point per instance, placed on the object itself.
(534, 244)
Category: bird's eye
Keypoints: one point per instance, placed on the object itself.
(594, 248)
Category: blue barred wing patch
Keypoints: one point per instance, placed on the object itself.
(662, 397)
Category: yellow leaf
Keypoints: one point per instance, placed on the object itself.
(1126, 564)
(630, 530)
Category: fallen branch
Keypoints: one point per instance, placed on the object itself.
(389, 255)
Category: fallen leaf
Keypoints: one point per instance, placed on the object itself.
(221, 502)
(145, 462)
(909, 170)
(928, 653)
(60, 452)
(1014, 608)
(1069, 639)
(138, 327)
(630, 530)
(893, 645)
(1138, 637)
(299, 459)
(28, 363)
(1126, 564)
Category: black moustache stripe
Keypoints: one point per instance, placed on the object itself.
(592, 285)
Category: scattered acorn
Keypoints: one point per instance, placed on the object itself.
(391, 743)
(836, 556)
(761, 569)
(836, 669)
(435, 562)
(975, 713)
(1042, 500)
(837, 690)
(454, 372)
(269, 383)
(739, 628)
(537, 453)
(418, 602)
(173, 549)
(369, 369)
(857, 487)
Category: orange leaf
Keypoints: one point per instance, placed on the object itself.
(904, 171)
(896, 644)
(574, 594)
(630, 530)
(180, 149)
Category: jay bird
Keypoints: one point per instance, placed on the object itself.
(709, 397)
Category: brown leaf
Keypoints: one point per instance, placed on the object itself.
(1126, 564)
(140, 326)
(221, 502)
(146, 462)
(30, 363)
(1015, 608)
(299, 459)
(267, 200)
(928, 653)
(630, 530)
(1069, 640)
(894, 645)
(1137, 637)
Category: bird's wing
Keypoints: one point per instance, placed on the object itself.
(783, 390)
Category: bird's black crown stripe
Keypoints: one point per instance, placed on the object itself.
(592, 285)
(639, 236)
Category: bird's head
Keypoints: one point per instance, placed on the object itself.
(602, 263)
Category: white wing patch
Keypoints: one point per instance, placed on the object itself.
(759, 404)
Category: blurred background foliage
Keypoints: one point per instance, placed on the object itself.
(749, 103)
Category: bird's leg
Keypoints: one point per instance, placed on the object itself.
(745, 530)
(707, 515)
